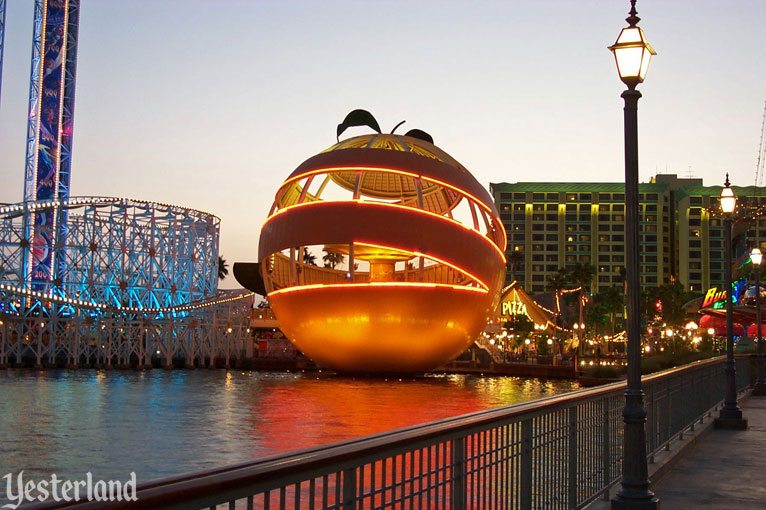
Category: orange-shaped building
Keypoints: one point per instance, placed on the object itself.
(412, 247)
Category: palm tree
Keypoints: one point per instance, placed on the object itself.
(515, 259)
(581, 275)
(223, 268)
(308, 257)
(331, 259)
(555, 283)
(610, 301)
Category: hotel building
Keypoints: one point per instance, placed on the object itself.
(554, 225)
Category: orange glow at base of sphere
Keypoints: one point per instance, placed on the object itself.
(366, 328)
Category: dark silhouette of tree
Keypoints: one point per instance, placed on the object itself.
(308, 257)
(331, 259)
(223, 268)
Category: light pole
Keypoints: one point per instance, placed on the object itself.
(730, 416)
(760, 385)
(632, 54)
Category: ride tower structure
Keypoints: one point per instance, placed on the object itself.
(49, 136)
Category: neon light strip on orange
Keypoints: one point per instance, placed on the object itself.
(392, 171)
(437, 259)
(384, 204)
(376, 284)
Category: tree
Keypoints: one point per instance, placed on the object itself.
(223, 268)
(332, 259)
(308, 257)
(581, 275)
(555, 283)
(605, 307)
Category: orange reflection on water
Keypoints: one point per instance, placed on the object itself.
(307, 412)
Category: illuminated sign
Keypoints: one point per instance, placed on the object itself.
(713, 296)
(717, 299)
(514, 308)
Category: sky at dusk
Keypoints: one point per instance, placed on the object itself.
(210, 105)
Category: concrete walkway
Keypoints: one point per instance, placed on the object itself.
(726, 470)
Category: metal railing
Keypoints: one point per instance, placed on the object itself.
(560, 452)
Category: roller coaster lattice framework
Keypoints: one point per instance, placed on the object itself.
(133, 282)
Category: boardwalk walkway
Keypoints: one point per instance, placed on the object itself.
(724, 470)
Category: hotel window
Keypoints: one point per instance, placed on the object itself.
(537, 257)
(695, 265)
(585, 258)
(619, 227)
(571, 208)
(584, 217)
(551, 207)
(603, 258)
(603, 269)
(518, 216)
(618, 197)
(538, 207)
(585, 238)
(603, 228)
(537, 247)
(603, 278)
(552, 196)
(551, 237)
(518, 207)
(651, 218)
(618, 207)
(551, 226)
(651, 196)
(621, 258)
(571, 197)
(695, 244)
(537, 226)
(551, 217)
(603, 208)
(538, 196)
(715, 265)
(694, 222)
(519, 196)
(695, 276)
(518, 237)
(538, 217)
(551, 247)
(694, 255)
(618, 217)
(505, 196)
(551, 258)
(603, 238)
(538, 288)
(538, 278)
(537, 267)
(618, 238)
(695, 200)
(603, 217)
(651, 208)
(551, 267)
(618, 247)
(571, 258)
(571, 247)
(616, 269)
(651, 258)
(694, 232)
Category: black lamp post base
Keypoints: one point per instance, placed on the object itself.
(759, 390)
(652, 503)
(730, 421)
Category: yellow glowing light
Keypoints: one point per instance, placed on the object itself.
(376, 284)
(647, 348)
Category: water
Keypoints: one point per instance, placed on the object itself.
(160, 423)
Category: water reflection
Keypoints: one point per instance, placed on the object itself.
(164, 423)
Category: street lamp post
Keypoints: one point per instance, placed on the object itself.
(760, 385)
(632, 54)
(730, 416)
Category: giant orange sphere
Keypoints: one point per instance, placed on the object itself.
(412, 246)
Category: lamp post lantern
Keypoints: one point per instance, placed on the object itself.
(730, 416)
(760, 385)
(632, 54)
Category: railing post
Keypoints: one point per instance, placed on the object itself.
(607, 447)
(526, 464)
(457, 448)
(349, 489)
(573, 456)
